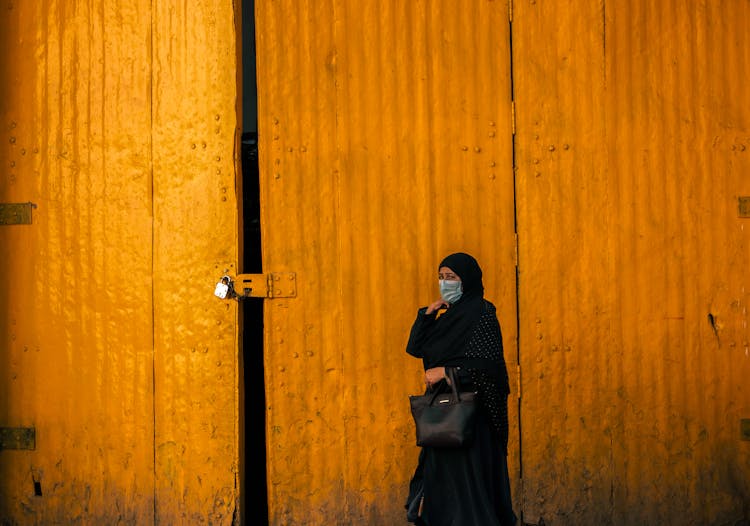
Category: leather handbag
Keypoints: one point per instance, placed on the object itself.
(445, 416)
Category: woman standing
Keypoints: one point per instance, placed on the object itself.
(466, 486)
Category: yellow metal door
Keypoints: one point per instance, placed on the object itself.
(385, 143)
(118, 122)
(632, 153)
(76, 322)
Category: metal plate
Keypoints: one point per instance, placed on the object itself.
(16, 213)
(17, 438)
(745, 428)
(744, 206)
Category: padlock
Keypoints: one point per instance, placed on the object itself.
(223, 287)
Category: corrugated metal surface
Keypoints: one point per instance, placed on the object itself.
(75, 316)
(118, 121)
(195, 242)
(632, 151)
(384, 144)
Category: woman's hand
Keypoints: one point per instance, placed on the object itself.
(436, 305)
(434, 375)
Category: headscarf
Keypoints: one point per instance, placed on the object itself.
(444, 343)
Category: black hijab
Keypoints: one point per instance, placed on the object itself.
(445, 343)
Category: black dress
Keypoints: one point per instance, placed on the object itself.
(467, 486)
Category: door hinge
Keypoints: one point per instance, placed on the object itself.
(17, 438)
(16, 213)
(272, 285)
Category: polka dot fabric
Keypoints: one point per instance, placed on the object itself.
(486, 367)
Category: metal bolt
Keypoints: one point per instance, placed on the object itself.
(217, 117)
(552, 147)
(477, 149)
(277, 176)
(491, 134)
(464, 148)
(536, 161)
(193, 146)
(566, 146)
(492, 163)
(13, 140)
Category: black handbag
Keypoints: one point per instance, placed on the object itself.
(445, 417)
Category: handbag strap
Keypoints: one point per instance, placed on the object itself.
(452, 382)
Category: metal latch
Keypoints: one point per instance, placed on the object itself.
(17, 438)
(273, 285)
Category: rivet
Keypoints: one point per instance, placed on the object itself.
(295, 355)
(223, 198)
(492, 164)
(35, 150)
(193, 146)
(464, 148)
(539, 337)
(537, 174)
(277, 277)
(742, 147)
(734, 146)
(554, 348)
(477, 149)
(13, 140)
(282, 369)
(218, 171)
(491, 134)
(203, 145)
(492, 176)
(551, 148)
(536, 137)
(310, 353)
(567, 348)
(566, 146)
(303, 149)
(290, 149)
(291, 277)
(492, 123)
(536, 161)
(217, 130)
(275, 137)
(277, 176)
(275, 121)
(218, 158)
(12, 164)
(218, 363)
(217, 117)
(224, 189)
(12, 124)
(23, 151)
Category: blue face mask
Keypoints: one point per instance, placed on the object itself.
(451, 291)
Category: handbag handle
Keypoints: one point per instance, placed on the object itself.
(450, 375)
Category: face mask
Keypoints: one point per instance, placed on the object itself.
(450, 291)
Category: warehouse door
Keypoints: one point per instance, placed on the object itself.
(631, 143)
(385, 143)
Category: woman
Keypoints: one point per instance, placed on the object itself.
(463, 486)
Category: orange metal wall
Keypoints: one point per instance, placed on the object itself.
(118, 121)
(632, 128)
(385, 143)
